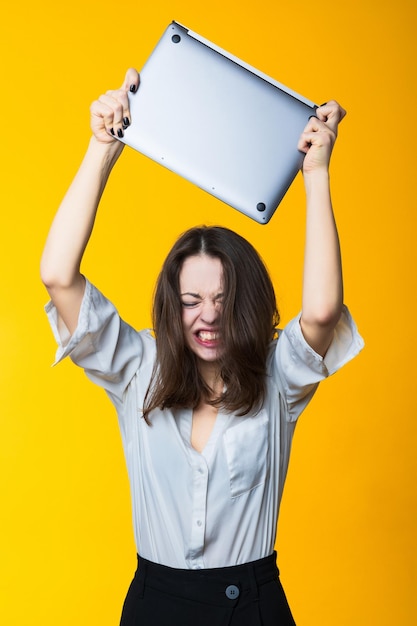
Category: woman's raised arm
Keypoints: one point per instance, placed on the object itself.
(74, 221)
(322, 281)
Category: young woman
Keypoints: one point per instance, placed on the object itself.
(207, 403)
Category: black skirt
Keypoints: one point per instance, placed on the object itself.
(241, 595)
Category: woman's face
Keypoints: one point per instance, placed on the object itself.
(201, 291)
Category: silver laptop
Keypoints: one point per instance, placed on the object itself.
(223, 125)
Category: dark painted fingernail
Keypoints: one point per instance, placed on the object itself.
(112, 131)
(132, 88)
(324, 104)
(126, 122)
(312, 116)
(119, 132)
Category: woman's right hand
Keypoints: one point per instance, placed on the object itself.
(110, 114)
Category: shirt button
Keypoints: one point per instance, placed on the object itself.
(232, 592)
(199, 522)
(200, 470)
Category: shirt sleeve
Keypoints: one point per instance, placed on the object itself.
(109, 350)
(299, 369)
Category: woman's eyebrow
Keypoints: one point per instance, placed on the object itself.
(190, 293)
(197, 295)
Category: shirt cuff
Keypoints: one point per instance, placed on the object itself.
(346, 344)
(67, 342)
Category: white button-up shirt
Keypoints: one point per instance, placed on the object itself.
(218, 507)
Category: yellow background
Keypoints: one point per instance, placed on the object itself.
(347, 532)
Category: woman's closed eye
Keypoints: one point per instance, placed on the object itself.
(189, 304)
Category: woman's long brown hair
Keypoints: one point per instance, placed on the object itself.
(248, 321)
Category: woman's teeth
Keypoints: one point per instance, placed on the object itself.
(206, 335)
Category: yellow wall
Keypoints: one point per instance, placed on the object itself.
(347, 537)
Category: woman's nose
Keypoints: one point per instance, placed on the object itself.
(210, 312)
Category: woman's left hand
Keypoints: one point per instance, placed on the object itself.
(319, 136)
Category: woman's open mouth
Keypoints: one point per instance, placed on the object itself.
(207, 336)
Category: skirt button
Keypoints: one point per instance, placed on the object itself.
(232, 592)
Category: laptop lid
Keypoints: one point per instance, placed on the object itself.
(218, 122)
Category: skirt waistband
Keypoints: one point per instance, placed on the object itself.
(221, 586)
